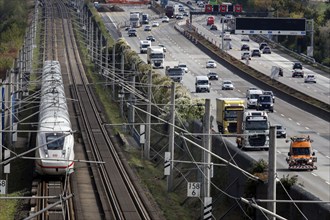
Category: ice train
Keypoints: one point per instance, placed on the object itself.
(55, 141)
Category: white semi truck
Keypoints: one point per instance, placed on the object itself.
(134, 19)
(252, 130)
(155, 56)
(144, 44)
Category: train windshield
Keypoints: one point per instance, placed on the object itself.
(55, 141)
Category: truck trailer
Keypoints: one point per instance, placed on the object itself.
(227, 111)
(169, 11)
(134, 19)
(252, 130)
(145, 18)
(155, 56)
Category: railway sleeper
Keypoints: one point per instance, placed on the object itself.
(55, 215)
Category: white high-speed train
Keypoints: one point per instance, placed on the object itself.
(55, 140)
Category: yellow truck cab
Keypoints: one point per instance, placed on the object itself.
(301, 155)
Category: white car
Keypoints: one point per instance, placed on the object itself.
(245, 38)
(211, 64)
(163, 46)
(165, 19)
(184, 67)
(155, 24)
(310, 78)
(227, 85)
(179, 16)
(147, 28)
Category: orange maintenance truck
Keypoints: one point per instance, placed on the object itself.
(301, 155)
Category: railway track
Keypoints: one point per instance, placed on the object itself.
(101, 186)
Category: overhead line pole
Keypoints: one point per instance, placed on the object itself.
(171, 138)
(148, 120)
(272, 171)
(206, 176)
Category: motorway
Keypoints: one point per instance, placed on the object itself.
(179, 49)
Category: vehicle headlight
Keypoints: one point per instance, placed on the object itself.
(271, 104)
(310, 161)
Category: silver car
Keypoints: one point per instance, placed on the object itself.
(310, 78)
(227, 85)
(211, 64)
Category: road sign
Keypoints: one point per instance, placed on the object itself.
(223, 8)
(3, 187)
(270, 26)
(208, 8)
(193, 189)
(238, 8)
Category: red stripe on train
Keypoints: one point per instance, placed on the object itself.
(54, 167)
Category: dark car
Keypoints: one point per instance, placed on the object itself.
(262, 45)
(265, 102)
(212, 76)
(213, 27)
(269, 93)
(245, 47)
(255, 53)
(298, 73)
(151, 38)
(297, 65)
(189, 3)
(132, 33)
(267, 50)
(280, 131)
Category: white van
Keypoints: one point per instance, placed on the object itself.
(252, 96)
(202, 84)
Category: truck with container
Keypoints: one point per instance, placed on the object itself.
(144, 44)
(210, 20)
(202, 84)
(145, 18)
(301, 155)
(155, 56)
(175, 73)
(134, 19)
(252, 130)
(169, 11)
(226, 113)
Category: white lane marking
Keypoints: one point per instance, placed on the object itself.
(282, 115)
(290, 119)
(298, 123)
(307, 128)
(327, 182)
(328, 157)
(313, 174)
(279, 152)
